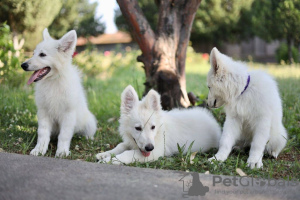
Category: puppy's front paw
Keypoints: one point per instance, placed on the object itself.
(37, 152)
(115, 161)
(104, 160)
(254, 163)
(110, 160)
(101, 156)
(217, 157)
(62, 153)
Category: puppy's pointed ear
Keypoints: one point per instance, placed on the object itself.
(214, 59)
(68, 42)
(153, 100)
(129, 99)
(46, 34)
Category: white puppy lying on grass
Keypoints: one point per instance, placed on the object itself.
(148, 132)
(253, 108)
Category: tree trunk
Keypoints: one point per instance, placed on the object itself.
(163, 52)
(290, 44)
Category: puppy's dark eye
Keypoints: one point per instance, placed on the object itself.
(208, 87)
(42, 55)
(138, 128)
(152, 127)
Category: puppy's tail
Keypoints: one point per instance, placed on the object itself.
(278, 139)
(91, 126)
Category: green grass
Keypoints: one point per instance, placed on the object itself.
(18, 121)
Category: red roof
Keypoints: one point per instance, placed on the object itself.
(118, 37)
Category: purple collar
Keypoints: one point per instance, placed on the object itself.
(248, 81)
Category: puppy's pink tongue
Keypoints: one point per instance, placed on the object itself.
(146, 154)
(34, 76)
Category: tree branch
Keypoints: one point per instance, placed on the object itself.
(186, 16)
(141, 30)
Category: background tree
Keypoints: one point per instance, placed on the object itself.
(65, 18)
(29, 17)
(216, 21)
(150, 11)
(87, 24)
(219, 21)
(163, 52)
(78, 15)
(277, 19)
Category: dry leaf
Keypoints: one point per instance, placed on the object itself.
(207, 172)
(240, 172)
(192, 157)
(111, 119)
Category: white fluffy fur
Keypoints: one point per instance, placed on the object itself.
(252, 118)
(176, 126)
(60, 98)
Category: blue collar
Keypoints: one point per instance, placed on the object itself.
(248, 81)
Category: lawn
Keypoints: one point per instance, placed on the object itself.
(104, 79)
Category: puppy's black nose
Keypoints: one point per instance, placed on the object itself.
(25, 66)
(149, 147)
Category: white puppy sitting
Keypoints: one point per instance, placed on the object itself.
(253, 108)
(59, 95)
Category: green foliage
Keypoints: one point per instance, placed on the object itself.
(29, 18)
(150, 11)
(282, 54)
(87, 25)
(217, 21)
(78, 15)
(185, 155)
(65, 19)
(273, 19)
(263, 18)
(9, 62)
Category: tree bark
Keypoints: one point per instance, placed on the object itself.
(163, 52)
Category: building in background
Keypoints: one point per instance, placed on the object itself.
(107, 42)
(255, 49)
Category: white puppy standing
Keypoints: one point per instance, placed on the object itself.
(59, 94)
(252, 105)
(148, 132)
